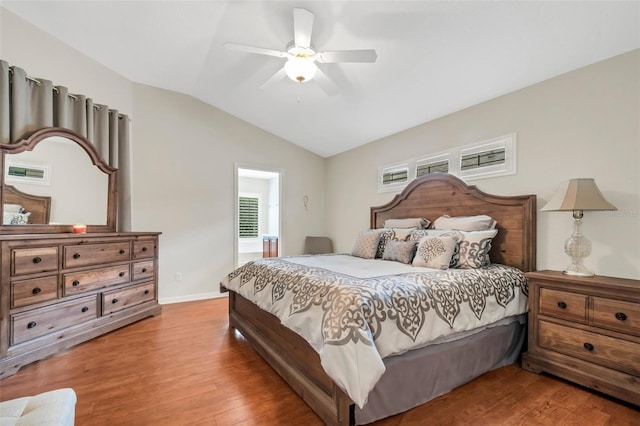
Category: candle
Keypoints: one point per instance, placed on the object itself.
(79, 229)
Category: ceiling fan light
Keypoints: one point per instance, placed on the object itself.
(300, 68)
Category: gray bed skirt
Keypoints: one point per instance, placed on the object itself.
(415, 377)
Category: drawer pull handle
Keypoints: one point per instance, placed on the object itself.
(562, 305)
(76, 256)
(588, 346)
(621, 316)
(75, 283)
(144, 270)
(36, 290)
(122, 274)
(144, 249)
(32, 324)
(121, 251)
(85, 309)
(114, 301)
(37, 259)
(146, 292)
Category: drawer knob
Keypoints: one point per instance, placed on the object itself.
(114, 301)
(121, 251)
(37, 259)
(621, 316)
(146, 292)
(32, 324)
(122, 274)
(85, 309)
(75, 283)
(144, 269)
(588, 346)
(562, 305)
(76, 256)
(144, 249)
(36, 290)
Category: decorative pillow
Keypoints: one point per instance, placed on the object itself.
(12, 208)
(366, 243)
(473, 249)
(435, 252)
(412, 222)
(465, 223)
(399, 234)
(399, 251)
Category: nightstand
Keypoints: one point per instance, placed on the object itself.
(586, 330)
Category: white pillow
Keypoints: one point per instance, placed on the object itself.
(465, 223)
(12, 208)
(435, 252)
(15, 218)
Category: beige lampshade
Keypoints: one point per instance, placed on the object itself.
(578, 194)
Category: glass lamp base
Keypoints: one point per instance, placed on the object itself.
(578, 271)
(577, 247)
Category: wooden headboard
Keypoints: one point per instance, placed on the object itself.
(40, 207)
(440, 194)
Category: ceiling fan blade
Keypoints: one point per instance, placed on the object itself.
(279, 75)
(325, 83)
(255, 49)
(302, 26)
(368, 55)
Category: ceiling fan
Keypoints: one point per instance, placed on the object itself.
(301, 56)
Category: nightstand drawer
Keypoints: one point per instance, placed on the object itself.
(616, 315)
(563, 304)
(596, 348)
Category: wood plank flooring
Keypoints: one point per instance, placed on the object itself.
(185, 367)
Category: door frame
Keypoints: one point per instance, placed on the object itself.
(281, 232)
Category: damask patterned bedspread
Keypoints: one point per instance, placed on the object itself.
(359, 311)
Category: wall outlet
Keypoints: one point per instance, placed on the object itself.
(178, 276)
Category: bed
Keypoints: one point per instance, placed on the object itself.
(404, 377)
(38, 207)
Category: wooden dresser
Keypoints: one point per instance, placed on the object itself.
(586, 330)
(62, 289)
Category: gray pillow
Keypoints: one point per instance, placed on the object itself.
(399, 251)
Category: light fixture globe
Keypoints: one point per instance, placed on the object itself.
(300, 68)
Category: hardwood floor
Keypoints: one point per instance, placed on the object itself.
(186, 368)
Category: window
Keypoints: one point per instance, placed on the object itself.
(393, 177)
(249, 216)
(27, 173)
(439, 164)
(495, 157)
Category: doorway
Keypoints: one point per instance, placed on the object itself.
(258, 213)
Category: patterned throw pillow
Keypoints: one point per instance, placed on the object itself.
(472, 250)
(399, 251)
(366, 243)
(435, 252)
(387, 235)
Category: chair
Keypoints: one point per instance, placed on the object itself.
(318, 245)
(55, 407)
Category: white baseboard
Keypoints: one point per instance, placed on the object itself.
(191, 297)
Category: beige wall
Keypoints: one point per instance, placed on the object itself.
(581, 124)
(184, 160)
(184, 153)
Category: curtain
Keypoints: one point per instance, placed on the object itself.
(28, 104)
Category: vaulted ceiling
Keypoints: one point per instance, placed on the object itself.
(434, 57)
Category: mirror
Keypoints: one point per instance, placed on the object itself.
(58, 175)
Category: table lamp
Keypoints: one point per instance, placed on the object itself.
(578, 195)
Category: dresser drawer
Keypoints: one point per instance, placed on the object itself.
(117, 300)
(592, 347)
(563, 304)
(80, 282)
(75, 256)
(142, 270)
(616, 315)
(34, 260)
(38, 322)
(144, 249)
(37, 290)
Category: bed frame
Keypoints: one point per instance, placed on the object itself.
(430, 197)
(39, 206)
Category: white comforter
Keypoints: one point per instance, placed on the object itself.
(354, 311)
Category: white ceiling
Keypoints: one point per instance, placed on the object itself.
(434, 57)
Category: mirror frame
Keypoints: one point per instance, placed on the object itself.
(28, 144)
